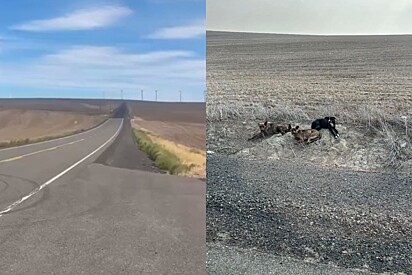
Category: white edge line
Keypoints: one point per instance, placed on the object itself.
(10, 207)
(51, 140)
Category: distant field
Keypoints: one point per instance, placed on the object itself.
(85, 106)
(183, 123)
(169, 111)
(309, 70)
(34, 124)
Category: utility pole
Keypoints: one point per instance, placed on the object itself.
(104, 98)
(141, 93)
(204, 94)
(155, 95)
(121, 94)
(180, 95)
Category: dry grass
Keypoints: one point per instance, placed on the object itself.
(164, 159)
(233, 111)
(190, 157)
(170, 156)
(369, 119)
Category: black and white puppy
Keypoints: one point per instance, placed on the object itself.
(328, 122)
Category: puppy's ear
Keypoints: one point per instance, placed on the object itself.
(289, 127)
(297, 127)
(266, 123)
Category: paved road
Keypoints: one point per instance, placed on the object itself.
(25, 169)
(95, 219)
(326, 216)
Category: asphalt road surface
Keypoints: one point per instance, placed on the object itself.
(63, 213)
(259, 212)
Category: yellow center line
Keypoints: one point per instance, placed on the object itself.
(41, 151)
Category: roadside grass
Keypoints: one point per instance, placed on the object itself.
(370, 119)
(20, 142)
(160, 151)
(194, 158)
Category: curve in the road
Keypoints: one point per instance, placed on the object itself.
(13, 205)
(55, 139)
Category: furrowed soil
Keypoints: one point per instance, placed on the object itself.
(309, 70)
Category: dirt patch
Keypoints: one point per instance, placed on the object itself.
(357, 148)
(32, 124)
(188, 134)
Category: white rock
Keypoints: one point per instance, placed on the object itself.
(274, 156)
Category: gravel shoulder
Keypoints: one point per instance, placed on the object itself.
(325, 216)
(230, 260)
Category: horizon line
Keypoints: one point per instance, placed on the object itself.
(95, 98)
(309, 34)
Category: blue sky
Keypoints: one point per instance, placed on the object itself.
(96, 48)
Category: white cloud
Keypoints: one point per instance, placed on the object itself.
(195, 30)
(108, 68)
(85, 19)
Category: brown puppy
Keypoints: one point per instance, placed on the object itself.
(306, 136)
(273, 129)
(268, 129)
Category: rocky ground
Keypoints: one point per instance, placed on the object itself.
(324, 216)
(358, 148)
(229, 260)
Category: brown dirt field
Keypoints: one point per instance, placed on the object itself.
(22, 124)
(84, 106)
(183, 123)
(189, 134)
(169, 112)
(309, 70)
